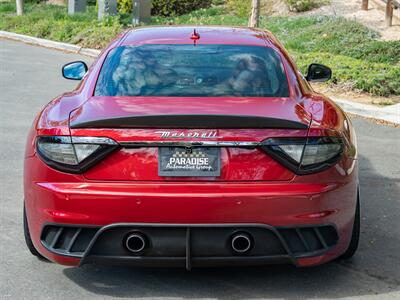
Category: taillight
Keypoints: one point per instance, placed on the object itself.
(305, 155)
(73, 154)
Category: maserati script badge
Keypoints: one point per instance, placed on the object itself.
(192, 134)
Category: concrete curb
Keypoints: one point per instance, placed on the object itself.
(49, 44)
(390, 114)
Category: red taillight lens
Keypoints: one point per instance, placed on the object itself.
(73, 154)
(305, 155)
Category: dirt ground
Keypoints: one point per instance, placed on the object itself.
(374, 18)
(274, 8)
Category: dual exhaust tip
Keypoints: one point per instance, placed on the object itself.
(137, 242)
(241, 243)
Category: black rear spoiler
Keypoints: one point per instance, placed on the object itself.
(191, 121)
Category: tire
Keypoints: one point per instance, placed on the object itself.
(355, 237)
(28, 240)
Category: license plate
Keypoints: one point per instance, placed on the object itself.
(193, 162)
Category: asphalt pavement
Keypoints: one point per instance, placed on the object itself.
(30, 77)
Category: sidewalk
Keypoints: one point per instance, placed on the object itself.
(49, 44)
(390, 114)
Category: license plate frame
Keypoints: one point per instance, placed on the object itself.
(189, 162)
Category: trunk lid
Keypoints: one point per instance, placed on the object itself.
(148, 121)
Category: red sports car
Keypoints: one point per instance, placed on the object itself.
(192, 147)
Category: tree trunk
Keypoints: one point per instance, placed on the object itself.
(106, 8)
(364, 5)
(255, 14)
(20, 7)
(389, 13)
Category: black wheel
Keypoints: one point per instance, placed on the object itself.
(28, 240)
(351, 250)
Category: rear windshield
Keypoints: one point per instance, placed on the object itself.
(188, 70)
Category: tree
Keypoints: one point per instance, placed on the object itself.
(364, 4)
(255, 14)
(20, 7)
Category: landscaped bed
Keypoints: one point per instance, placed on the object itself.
(360, 61)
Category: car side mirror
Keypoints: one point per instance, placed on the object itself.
(74, 70)
(318, 73)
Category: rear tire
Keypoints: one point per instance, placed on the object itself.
(355, 237)
(28, 240)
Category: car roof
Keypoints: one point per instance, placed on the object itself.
(208, 35)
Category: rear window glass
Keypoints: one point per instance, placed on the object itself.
(188, 70)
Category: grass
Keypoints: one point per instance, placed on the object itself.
(305, 5)
(53, 22)
(358, 59)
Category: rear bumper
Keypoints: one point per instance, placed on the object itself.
(270, 205)
(188, 245)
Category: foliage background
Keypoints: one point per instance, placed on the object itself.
(177, 7)
(359, 59)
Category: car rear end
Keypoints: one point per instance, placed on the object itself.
(160, 177)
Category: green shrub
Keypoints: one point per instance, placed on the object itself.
(206, 16)
(376, 51)
(42, 28)
(7, 7)
(241, 8)
(52, 22)
(375, 78)
(304, 5)
(333, 35)
(218, 2)
(177, 7)
(124, 6)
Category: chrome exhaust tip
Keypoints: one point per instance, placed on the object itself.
(136, 242)
(241, 243)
